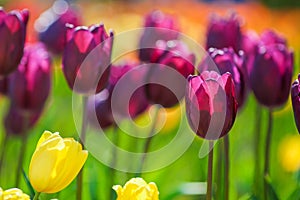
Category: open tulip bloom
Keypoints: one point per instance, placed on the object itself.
(55, 163)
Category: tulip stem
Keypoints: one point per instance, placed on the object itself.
(113, 161)
(257, 150)
(148, 140)
(4, 144)
(82, 141)
(209, 171)
(226, 167)
(21, 158)
(267, 153)
(36, 196)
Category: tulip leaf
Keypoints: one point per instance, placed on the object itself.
(31, 190)
(270, 189)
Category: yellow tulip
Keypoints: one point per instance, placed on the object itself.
(137, 189)
(55, 162)
(13, 194)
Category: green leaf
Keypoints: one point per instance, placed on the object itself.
(270, 189)
(31, 190)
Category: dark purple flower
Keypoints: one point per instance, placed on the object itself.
(86, 58)
(51, 25)
(158, 26)
(270, 37)
(29, 86)
(226, 60)
(271, 75)
(211, 105)
(12, 33)
(4, 85)
(224, 32)
(172, 63)
(16, 122)
(295, 94)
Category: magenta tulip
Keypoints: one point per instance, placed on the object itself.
(295, 94)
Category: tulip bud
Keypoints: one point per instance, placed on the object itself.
(271, 75)
(226, 60)
(166, 78)
(224, 32)
(51, 25)
(269, 37)
(211, 105)
(17, 122)
(295, 94)
(137, 188)
(55, 162)
(12, 34)
(4, 85)
(29, 86)
(158, 26)
(13, 194)
(86, 58)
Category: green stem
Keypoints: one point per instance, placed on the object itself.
(148, 141)
(257, 150)
(4, 144)
(227, 164)
(209, 171)
(36, 196)
(219, 171)
(267, 153)
(21, 158)
(113, 161)
(82, 140)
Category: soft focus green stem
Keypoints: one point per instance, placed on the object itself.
(267, 153)
(36, 196)
(148, 141)
(3, 148)
(21, 158)
(257, 150)
(82, 140)
(226, 167)
(210, 171)
(113, 161)
(219, 171)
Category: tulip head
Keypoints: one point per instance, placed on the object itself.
(137, 189)
(271, 75)
(51, 25)
(158, 26)
(172, 63)
(270, 37)
(55, 162)
(12, 33)
(13, 194)
(295, 95)
(86, 58)
(224, 32)
(226, 60)
(29, 87)
(211, 105)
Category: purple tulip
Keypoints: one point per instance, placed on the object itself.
(172, 63)
(127, 81)
(271, 75)
(226, 60)
(211, 105)
(51, 25)
(86, 58)
(16, 122)
(224, 32)
(270, 37)
(295, 94)
(4, 85)
(29, 86)
(12, 33)
(158, 26)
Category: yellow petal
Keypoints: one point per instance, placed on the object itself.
(1, 194)
(46, 135)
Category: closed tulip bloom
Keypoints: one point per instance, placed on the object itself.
(158, 26)
(227, 60)
(4, 85)
(51, 25)
(137, 189)
(166, 77)
(12, 33)
(224, 32)
(269, 37)
(13, 194)
(55, 162)
(295, 94)
(86, 58)
(29, 87)
(17, 122)
(271, 75)
(211, 105)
